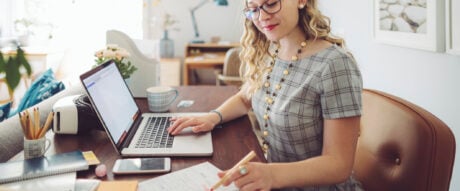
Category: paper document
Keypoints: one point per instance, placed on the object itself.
(86, 184)
(200, 177)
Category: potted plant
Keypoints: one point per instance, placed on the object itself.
(10, 68)
(119, 55)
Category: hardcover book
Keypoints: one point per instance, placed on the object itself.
(42, 166)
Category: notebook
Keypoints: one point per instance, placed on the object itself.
(130, 131)
(42, 166)
(59, 182)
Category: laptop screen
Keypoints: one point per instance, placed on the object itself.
(112, 100)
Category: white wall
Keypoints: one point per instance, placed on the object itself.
(212, 20)
(427, 79)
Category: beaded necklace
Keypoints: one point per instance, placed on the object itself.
(270, 95)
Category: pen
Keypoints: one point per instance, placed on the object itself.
(245, 160)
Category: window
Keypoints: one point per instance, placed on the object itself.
(76, 27)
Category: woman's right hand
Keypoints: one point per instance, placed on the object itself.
(197, 123)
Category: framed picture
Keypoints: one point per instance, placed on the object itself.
(453, 27)
(410, 23)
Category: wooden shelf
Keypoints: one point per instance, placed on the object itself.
(206, 55)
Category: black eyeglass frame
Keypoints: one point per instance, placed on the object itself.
(247, 12)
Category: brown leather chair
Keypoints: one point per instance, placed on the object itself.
(402, 146)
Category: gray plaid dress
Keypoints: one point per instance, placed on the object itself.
(326, 85)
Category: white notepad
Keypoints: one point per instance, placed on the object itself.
(60, 182)
(196, 178)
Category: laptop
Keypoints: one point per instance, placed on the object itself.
(132, 133)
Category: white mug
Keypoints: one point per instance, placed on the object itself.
(160, 98)
(36, 147)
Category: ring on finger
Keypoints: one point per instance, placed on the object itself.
(242, 170)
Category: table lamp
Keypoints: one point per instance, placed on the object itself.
(192, 12)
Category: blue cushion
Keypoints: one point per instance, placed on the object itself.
(4, 111)
(42, 88)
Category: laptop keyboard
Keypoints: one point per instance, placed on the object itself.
(155, 134)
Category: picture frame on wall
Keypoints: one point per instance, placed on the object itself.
(453, 27)
(410, 23)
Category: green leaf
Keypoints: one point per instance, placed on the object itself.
(2, 63)
(22, 61)
(12, 74)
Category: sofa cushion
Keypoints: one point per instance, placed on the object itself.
(42, 88)
(4, 111)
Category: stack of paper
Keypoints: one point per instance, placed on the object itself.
(199, 177)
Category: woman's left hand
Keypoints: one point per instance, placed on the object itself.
(258, 177)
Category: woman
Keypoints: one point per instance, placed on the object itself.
(306, 93)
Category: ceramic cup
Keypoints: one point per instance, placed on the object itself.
(161, 97)
(35, 147)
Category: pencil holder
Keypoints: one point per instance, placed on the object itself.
(35, 147)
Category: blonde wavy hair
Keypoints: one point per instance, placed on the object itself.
(255, 52)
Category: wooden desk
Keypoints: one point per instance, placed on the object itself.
(207, 55)
(230, 143)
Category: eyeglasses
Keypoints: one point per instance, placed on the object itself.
(270, 7)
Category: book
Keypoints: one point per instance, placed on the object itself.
(60, 182)
(127, 185)
(196, 178)
(42, 166)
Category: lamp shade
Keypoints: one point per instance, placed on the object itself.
(221, 2)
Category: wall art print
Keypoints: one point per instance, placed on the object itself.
(453, 27)
(410, 23)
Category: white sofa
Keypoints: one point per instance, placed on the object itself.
(144, 56)
(11, 136)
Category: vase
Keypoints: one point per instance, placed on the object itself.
(166, 46)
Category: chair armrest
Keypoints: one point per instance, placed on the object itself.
(228, 78)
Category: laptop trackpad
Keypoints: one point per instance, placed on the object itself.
(186, 131)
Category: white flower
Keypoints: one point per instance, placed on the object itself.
(123, 53)
(112, 46)
(108, 54)
(112, 51)
(118, 54)
(99, 54)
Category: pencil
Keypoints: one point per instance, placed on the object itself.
(30, 127)
(37, 123)
(245, 160)
(23, 124)
(27, 124)
(46, 126)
